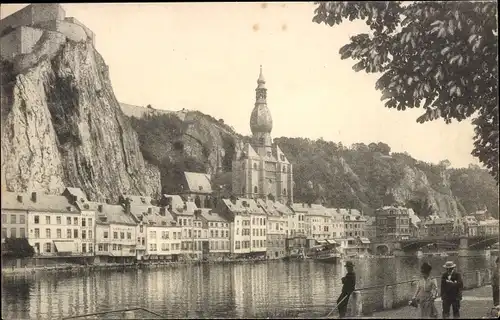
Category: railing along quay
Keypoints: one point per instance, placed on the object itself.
(366, 300)
(128, 313)
(363, 302)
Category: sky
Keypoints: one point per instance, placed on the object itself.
(206, 56)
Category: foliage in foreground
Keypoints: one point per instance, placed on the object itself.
(438, 55)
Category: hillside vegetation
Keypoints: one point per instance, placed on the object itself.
(360, 176)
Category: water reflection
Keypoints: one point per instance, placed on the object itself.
(275, 289)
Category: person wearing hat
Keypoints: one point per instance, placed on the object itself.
(451, 290)
(426, 293)
(495, 285)
(348, 287)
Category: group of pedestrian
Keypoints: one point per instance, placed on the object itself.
(451, 291)
(426, 292)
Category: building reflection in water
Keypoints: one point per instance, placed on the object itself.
(275, 289)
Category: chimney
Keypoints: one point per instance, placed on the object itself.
(20, 198)
(150, 210)
(108, 201)
(99, 208)
(33, 196)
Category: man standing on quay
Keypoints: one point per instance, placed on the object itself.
(451, 290)
(348, 287)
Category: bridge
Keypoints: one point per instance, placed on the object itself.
(450, 242)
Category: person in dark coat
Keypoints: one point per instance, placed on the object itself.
(495, 285)
(348, 287)
(451, 290)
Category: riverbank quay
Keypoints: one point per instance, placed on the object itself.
(476, 304)
(76, 269)
(387, 298)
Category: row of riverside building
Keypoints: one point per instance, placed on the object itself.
(178, 228)
(173, 228)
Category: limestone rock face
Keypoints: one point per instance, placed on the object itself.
(415, 182)
(62, 126)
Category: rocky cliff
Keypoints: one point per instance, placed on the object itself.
(62, 125)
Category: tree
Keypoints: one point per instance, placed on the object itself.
(17, 248)
(441, 56)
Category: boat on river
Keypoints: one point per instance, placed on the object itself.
(326, 252)
(296, 254)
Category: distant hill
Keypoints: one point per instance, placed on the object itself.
(360, 176)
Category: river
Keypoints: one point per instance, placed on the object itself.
(266, 289)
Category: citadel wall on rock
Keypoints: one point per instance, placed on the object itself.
(22, 30)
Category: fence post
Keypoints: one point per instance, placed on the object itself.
(355, 304)
(388, 297)
(479, 279)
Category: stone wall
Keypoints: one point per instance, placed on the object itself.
(72, 31)
(20, 41)
(33, 14)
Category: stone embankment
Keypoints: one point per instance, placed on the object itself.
(77, 269)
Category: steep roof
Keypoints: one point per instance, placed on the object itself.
(209, 215)
(42, 203)
(243, 205)
(115, 214)
(198, 182)
(137, 200)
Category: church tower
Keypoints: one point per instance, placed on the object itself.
(261, 121)
(261, 169)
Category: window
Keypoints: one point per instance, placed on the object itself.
(48, 247)
(284, 168)
(13, 232)
(84, 234)
(68, 221)
(84, 247)
(75, 233)
(122, 235)
(13, 219)
(284, 191)
(114, 246)
(75, 221)
(105, 235)
(58, 219)
(90, 248)
(68, 233)
(255, 166)
(255, 189)
(59, 233)
(47, 233)
(47, 219)
(36, 219)
(115, 235)
(22, 232)
(141, 229)
(84, 222)
(4, 218)
(129, 235)
(89, 222)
